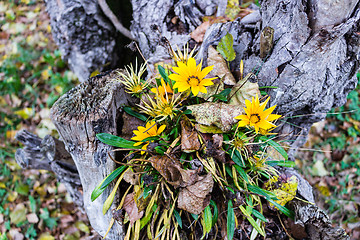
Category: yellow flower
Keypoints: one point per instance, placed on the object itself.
(191, 76)
(256, 116)
(161, 107)
(150, 130)
(164, 91)
(132, 79)
(182, 57)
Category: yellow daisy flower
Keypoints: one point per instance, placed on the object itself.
(131, 78)
(164, 91)
(191, 76)
(256, 116)
(150, 130)
(180, 56)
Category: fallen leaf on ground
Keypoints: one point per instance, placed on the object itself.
(131, 208)
(244, 89)
(196, 197)
(199, 33)
(220, 115)
(189, 137)
(172, 171)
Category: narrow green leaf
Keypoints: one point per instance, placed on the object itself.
(255, 225)
(281, 163)
(163, 73)
(116, 141)
(145, 219)
(111, 197)
(242, 173)
(225, 47)
(195, 216)
(223, 95)
(178, 218)
(275, 145)
(131, 112)
(258, 215)
(216, 212)
(260, 191)
(283, 209)
(207, 219)
(105, 182)
(237, 158)
(230, 221)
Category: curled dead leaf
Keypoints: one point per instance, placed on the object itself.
(131, 208)
(244, 89)
(220, 115)
(220, 67)
(131, 177)
(172, 171)
(189, 137)
(196, 197)
(199, 33)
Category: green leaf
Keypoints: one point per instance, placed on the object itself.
(260, 191)
(216, 212)
(195, 216)
(105, 182)
(275, 145)
(131, 112)
(207, 219)
(178, 218)
(223, 95)
(230, 221)
(110, 198)
(258, 215)
(242, 173)
(116, 141)
(225, 47)
(163, 73)
(281, 163)
(255, 225)
(283, 209)
(237, 158)
(32, 204)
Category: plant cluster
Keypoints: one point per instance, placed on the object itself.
(192, 165)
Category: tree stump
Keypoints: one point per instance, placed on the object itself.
(313, 64)
(90, 108)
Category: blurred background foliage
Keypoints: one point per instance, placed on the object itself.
(33, 205)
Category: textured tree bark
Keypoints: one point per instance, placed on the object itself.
(85, 37)
(90, 108)
(312, 64)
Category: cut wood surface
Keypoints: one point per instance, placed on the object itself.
(90, 108)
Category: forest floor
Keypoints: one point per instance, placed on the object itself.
(33, 205)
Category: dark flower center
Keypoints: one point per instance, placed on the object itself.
(255, 118)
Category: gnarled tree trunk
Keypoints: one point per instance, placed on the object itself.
(312, 64)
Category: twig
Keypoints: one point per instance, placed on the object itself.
(107, 11)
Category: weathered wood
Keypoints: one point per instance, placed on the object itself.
(90, 108)
(313, 64)
(313, 68)
(85, 37)
(50, 154)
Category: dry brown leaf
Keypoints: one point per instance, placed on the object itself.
(199, 33)
(220, 115)
(196, 197)
(172, 171)
(131, 208)
(244, 89)
(220, 67)
(189, 137)
(131, 177)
